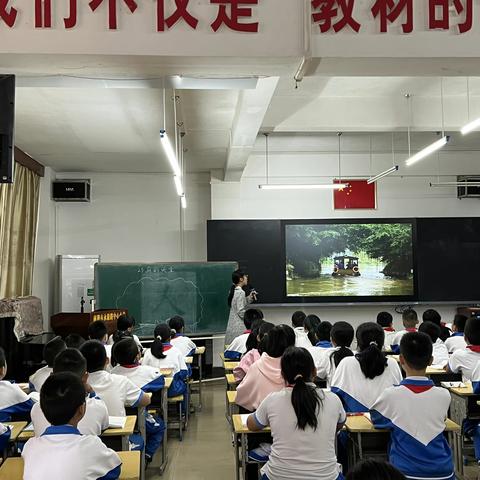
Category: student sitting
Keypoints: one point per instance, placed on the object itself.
(323, 335)
(310, 325)
(62, 452)
(440, 351)
(410, 322)
(434, 317)
(126, 355)
(385, 320)
(327, 360)
(50, 351)
(359, 380)
(464, 361)
(179, 340)
(162, 354)
(301, 336)
(98, 331)
(239, 344)
(374, 470)
(95, 419)
(304, 421)
(472, 427)
(260, 335)
(74, 340)
(125, 326)
(457, 339)
(5, 434)
(415, 412)
(265, 375)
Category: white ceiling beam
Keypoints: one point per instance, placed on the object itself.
(251, 110)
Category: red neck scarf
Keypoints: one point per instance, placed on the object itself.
(474, 348)
(389, 329)
(411, 330)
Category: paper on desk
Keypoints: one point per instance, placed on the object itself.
(368, 416)
(453, 384)
(244, 418)
(117, 422)
(29, 428)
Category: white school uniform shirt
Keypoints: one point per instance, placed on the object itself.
(357, 392)
(137, 341)
(301, 454)
(38, 378)
(397, 338)
(238, 346)
(301, 338)
(440, 354)
(456, 342)
(464, 362)
(183, 343)
(476, 379)
(174, 359)
(415, 412)
(324, 363)
(94, 422)
(116, 391)
(148, 378)
(64, 453)
(13, 400)
(389, 336)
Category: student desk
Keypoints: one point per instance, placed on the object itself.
(198, 360)
(232, 407)
(230, 366)
(166, 372)
(437, 375)
(231, 382)
(12, 468)
(17, 428)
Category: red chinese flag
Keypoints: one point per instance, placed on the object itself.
(358, 194)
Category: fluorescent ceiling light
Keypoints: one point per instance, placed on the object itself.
(428, 150)
(184, 201)
(172, 158)
(320, 186)
(179, 82)
(455, 184)
(470, 127)
(383, 174)
(178, 185)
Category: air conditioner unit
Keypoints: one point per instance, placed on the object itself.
(71, 190)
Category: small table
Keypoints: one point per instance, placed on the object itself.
(231, 382)
(232, 407)
(230, 366)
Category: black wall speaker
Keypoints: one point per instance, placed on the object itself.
(71, 190)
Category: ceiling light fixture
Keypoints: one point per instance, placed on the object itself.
(183, 201)
(303, 186)
(169, 152)
(178, 185)
(383, 174)
(455, 184)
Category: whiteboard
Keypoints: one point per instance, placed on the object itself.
(75, 279)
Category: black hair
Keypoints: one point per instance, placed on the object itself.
(252, 340)
(374, 470)
(125, 352)
(95, 355)
(70, 360)
(384, 319)
(297, 370)
(97, 330)
(250, 316)
(60, 397)
(342, 334)
(409, 318)
(124, 322)
(323, 332)
(74, 340)
(3, 358)
(52, 349)
(370, 340)
(417, 348)
(177, 323)
(237, 275)
(162, 334)
(433, 316)
(310, 325)
(298, 319)
(431, 329)
(280, 338)
(263, 332)
(472, 331)
(460, 321)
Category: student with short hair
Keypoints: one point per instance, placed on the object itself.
(95, 419)
(298, 324)
(97, 330)
(50, 351)
(433, 316)
(125, 327)
(415, 412)
(265, 375)
(62, 451)
(323, 334)
(238, 346)
(359, 380)
(385, 320)
(374, 470)
(74, 340)
(410, 322)
(440, 351)
(13, 400)
(310, 325)
(162, 354)
(304, 421)
(457, 339)
(179, 340)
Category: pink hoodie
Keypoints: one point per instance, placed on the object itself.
(245, 363)
(263, 377)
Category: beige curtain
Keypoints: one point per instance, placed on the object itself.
(18, 231)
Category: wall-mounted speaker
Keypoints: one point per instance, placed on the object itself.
(71, 190)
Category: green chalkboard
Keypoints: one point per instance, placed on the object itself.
(153, 293)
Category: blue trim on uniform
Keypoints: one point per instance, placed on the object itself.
(260, 425)
(395, 349)
(138, 399)
(112, 474)
(457, 334)
(232, 355)
(349, 403)
(4, 439)
(154, 429)
(61, 430)
(324, 344)
(426, 382)
(155, 385)
(192, 352)
(476, 386)
(379, 421)
(18, 408)
(31, 387)
(178, 386)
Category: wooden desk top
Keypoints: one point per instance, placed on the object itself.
(232, 396)
(222, 357)
(463, 392)
(239, 427)
(12, 468)
(200, 351)
(168, 382)
(430, 370)
(16, 430)
(188, 360)
(231, 379)
(230, 366)
(361, 424)
(166, 372)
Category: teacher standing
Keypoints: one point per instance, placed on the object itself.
(238, 302)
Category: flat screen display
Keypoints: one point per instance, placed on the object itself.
(350, 260)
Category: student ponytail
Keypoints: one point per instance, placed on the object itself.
(162, 335)
(370, 339)
(252, 340)
(297, 370)
(342, 336)
(263, 336)
(124, 322)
